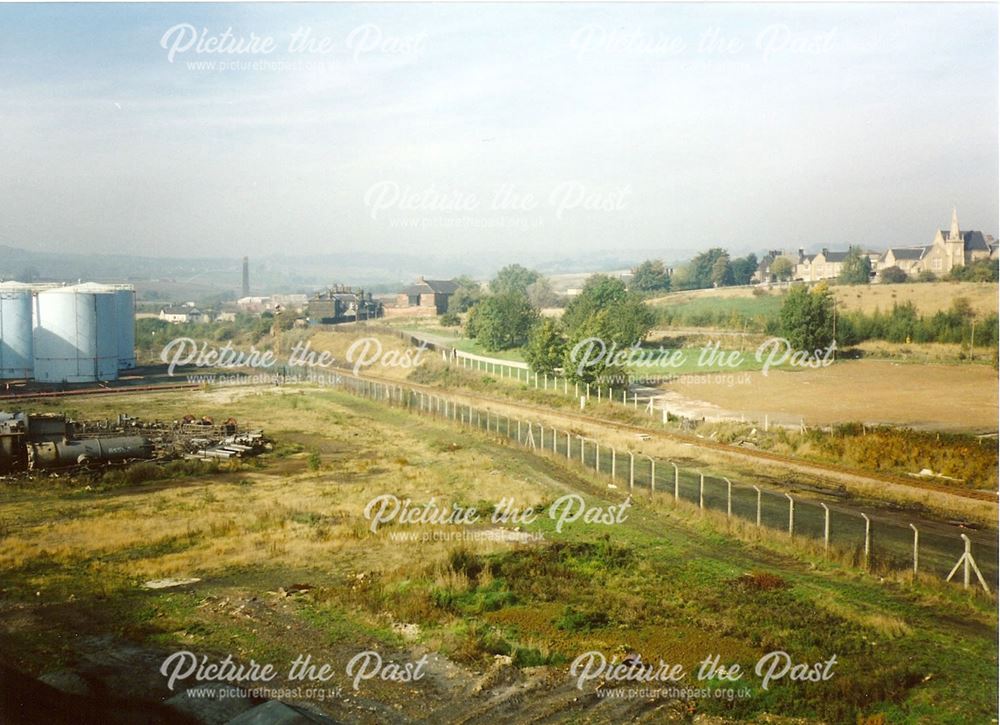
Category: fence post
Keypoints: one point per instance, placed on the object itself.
(631, 470)
(677, 482)
(916, 550)
(868, 538)
(614, 456)
(569, 446)
(826, 528)
(518, 430)
(701, 490)
(583, 444)
(729, 497)
(969, 563)
(791, 514)
(597, 456)
(757, 489)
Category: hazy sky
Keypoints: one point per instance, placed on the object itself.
(469, 129)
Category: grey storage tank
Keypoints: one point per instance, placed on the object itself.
(16, 346)
(75, 337)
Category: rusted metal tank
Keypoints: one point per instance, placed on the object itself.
(12, 456)
(56, 454)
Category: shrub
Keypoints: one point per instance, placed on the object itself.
(760, 581)
(893, 275)
(576, 621)
(463, 560)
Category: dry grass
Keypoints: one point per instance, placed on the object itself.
(927, 297)
(945, 397)
(201, 527)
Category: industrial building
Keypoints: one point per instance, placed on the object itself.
(342, 304)
(66, 334)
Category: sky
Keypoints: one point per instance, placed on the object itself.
(480, 130)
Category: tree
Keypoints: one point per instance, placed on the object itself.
(603, 319)
(681, 278)
(782, 268)
(541, 294)
(807, 317)
(514, 278)
(744, 268)
(650, 276)
(585, 358)
(722, 272)
(469, 292)
(502, 321)
(857, 267)
(699, 272)
(599, 291)
(449, 319)
(546, 347)
(894, 275)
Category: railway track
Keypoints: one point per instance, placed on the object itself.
(820, 469)
(823, 470)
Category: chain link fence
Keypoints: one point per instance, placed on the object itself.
(874, 541)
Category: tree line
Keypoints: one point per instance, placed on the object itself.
(506, 317)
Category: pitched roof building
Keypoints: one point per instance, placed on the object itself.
(428, 293)
(950, 248)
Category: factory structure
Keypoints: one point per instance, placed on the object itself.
(54, 333)
(343, 304)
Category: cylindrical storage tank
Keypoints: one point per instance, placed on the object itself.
(75, 338)
(16, 346)
(91, 450)
(107, 327)
(125, 322)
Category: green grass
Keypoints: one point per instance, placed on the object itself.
(667, 584)
(753, 314)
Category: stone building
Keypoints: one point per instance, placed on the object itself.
(429, 294)
(949, 249)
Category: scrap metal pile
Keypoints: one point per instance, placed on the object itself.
(33, 442)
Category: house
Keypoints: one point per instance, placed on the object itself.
(908, 259)
(949, 249)
(764, 272)
(180, 314)
(429, 294)
(254, 304)
(825, 265)
(955, 248)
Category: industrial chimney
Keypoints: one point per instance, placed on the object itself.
(246, 277)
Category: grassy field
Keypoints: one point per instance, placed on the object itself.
(501, 618)
(955, 398)
(927, 297)
(946, 397)
(742, 309)
(744, 312)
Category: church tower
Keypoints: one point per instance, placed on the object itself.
(955, 243)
